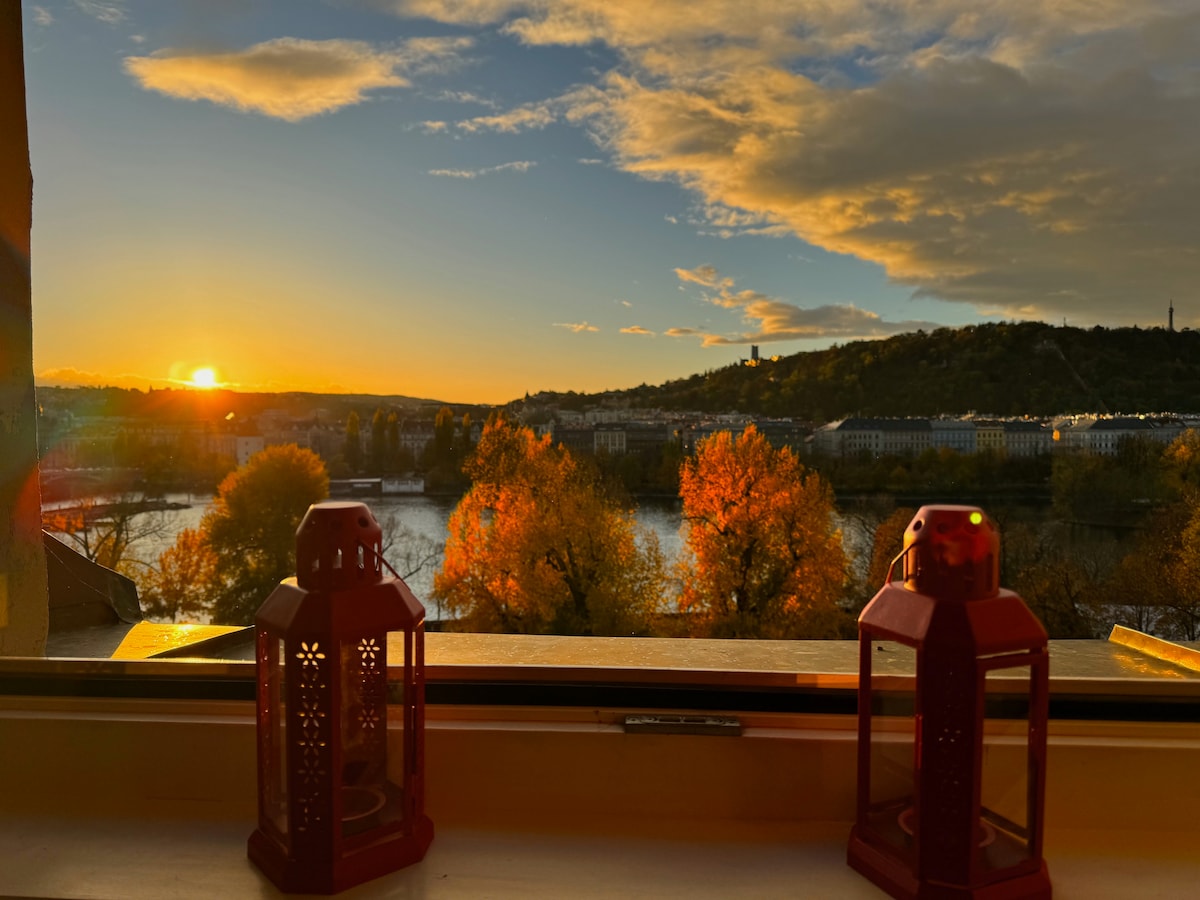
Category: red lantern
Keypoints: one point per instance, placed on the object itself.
(340, 735)
(948, 808)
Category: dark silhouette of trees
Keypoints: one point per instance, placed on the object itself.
(393, 443)
(352, 451)
(378, 441)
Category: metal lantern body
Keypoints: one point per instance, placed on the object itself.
(340, 746)
(947, 809)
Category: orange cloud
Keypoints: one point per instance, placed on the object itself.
(705, 275)
(577, 327)
(519, 119)
(289, 78)
(1032, 159)
(637, 329)
(769, 319)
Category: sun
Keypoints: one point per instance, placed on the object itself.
(205, 378)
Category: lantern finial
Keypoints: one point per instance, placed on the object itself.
(339, 545)
(952, 552)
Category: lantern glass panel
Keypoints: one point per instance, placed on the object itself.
(1005, 797)
(401, 726)
(893, 743)
(368, 800)
(275, 797)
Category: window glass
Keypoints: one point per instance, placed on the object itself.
(361, 229)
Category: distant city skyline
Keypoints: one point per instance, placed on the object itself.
(469, 201)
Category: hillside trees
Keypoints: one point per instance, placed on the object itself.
(245, 545)
(766, 558)
(539, 545)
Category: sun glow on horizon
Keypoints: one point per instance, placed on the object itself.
(204, 378)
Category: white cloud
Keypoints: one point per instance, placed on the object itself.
(577, 327)
(520, 119)
(465, 97)
(42, 16)
(108, 11)
(522, 165)
(290, 78)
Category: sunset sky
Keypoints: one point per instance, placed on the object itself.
(470, 199)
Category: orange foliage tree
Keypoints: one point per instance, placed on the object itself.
(886, 545)
(766, 557)
(179, 587)
(539, 546)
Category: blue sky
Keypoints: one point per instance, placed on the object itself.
(471, 199)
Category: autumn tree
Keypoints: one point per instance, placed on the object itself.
(1059, 582)
(539, 546)
(766, 557)
(443, 437)
(887, 543)
(179, 587)
(246, 543)
(1181, 463)
(1157, 585)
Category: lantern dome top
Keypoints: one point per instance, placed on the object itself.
(339, 544)
(952, 552)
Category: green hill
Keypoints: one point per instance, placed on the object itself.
(1003, 369)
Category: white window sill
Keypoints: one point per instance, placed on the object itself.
(110, 797)
(134, 859)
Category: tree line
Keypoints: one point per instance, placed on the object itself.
(545, 541)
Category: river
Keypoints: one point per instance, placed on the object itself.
(424, 516)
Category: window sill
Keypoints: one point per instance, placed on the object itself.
(112, 796)
(114, 857)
